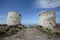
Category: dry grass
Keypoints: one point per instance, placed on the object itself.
(50, 33)
(10, 30)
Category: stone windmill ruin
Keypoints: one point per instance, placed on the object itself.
(47, 19)
(13, 18)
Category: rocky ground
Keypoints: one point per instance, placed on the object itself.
(30, 33)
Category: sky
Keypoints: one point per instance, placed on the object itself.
(29, 9)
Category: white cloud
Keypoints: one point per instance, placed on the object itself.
(47, 3)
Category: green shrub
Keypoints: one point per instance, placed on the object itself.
(1, 33)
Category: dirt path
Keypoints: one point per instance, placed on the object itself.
(28, 34)
(33, 34)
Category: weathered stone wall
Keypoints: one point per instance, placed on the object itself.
(47, 19)
(13, 18)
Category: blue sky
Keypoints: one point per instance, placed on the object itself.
(29, 9)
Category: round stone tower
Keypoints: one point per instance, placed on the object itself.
(13, 18)
(47, 19)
